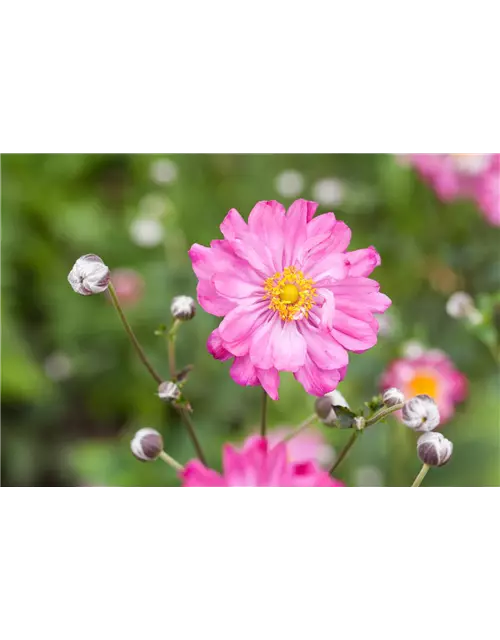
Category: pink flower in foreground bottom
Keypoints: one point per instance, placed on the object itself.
(306, 446)
(469, 175)
(292, 297)
(431, 373)
(257, 464)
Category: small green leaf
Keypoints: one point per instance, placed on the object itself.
(345, 417)
(160, 331)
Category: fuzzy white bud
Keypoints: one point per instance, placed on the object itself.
(183, 308)
(421, 413)
(392, 397)
(169, 391)
(147, 444)
(461, 305)
(89, 275)
(324, 406)
(434, 449)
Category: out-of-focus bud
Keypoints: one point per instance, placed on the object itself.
(89, 275)
(392, 397)
(461, 305)
(183, 308)
(412, 349)
(324, 410)
(421, 413)
(147, 444)
(434, 449)
(338, 399)
(169, 391)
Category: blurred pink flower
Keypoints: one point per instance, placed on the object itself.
(292, 298)
(431, 373)
(129, 285)
(307, 445)
(470, 175)
(257, 464)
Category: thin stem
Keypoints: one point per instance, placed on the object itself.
(423, 472)
(170, 461)
(263, 415)
(383, 413)
(302, 427)
(172, 334)
(131, 335)
(345, 451)
(192, 434)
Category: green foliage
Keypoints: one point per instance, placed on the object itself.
(73, 391)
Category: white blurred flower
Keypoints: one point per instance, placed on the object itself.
(58, 366)
(386, 324)
(368, 476)
(289, 184)
(146, 232)
(163, 171)
(471, 163)
(328, 191)
(153, 205)
(412, 349)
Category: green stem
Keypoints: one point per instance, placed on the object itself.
(345, 451)
(184, 413)
(263, 415)
(170, 461)
(131, 335)
(302, 427)
(172, 334)
(383, 413)
(423, 472)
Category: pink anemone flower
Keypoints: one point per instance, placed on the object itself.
(469, 175)
(431, 373)
(257, 464)
(291, 295)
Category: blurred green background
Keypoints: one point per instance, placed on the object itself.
(73, 391)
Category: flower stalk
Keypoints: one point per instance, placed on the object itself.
(423, 472)
(345, 451)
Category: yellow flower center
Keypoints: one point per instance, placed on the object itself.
(423, 383)
(290, 294)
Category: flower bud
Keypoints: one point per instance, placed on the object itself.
(461, 305)
(392, 397)
(169, 391)
(89, 275)
(421, 413)
(183, 308)
(147, 444)
(324, 410)
(434, 449)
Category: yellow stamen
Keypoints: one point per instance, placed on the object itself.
(290, 294)
(424, 383)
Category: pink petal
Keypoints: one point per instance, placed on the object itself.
(326, 265)
(298, 215)
(324, 350)
(354, 331)
(266, 221)
(260, 352)
(317, 381)
(270, 381)
(233, 225)
(239, 324)
(289, 347)
(210, 301)
(196, 474)
(243, 372)
(363, 261)
(216, 348)
(230, 285)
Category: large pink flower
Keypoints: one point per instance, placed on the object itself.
(470, 175)
(292, 297)
(307, 445)
(257, 465)
(431, 373)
